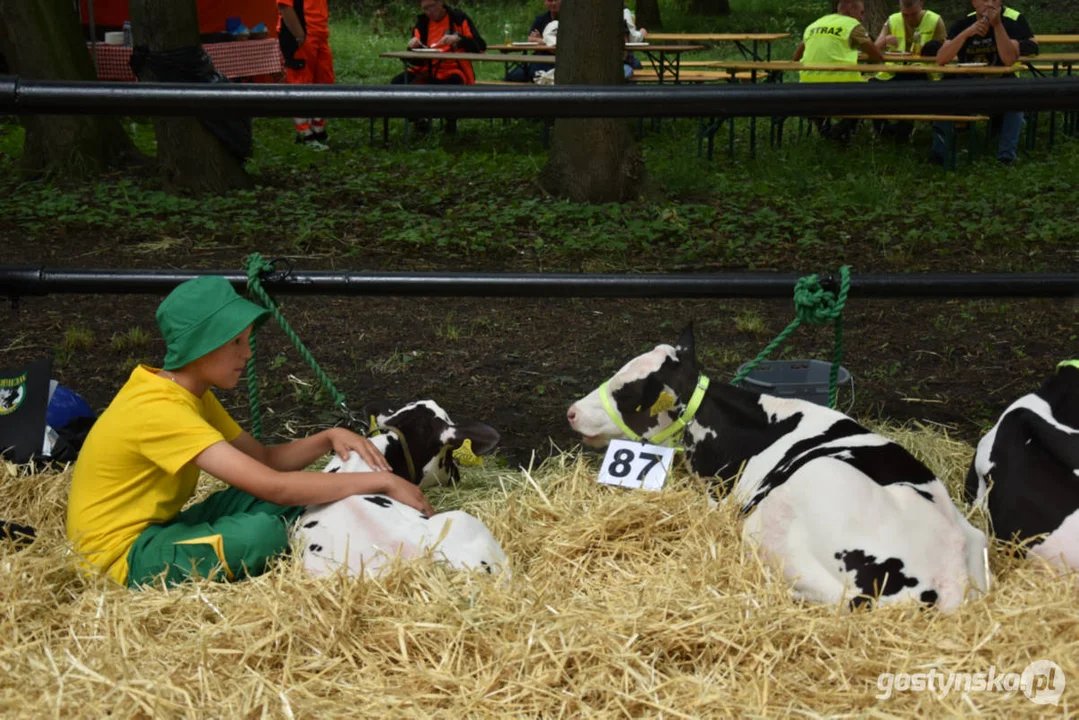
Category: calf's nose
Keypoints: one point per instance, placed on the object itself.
(571, 414)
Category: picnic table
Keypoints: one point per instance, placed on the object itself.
(777, 67)
(431, 58)
(238, 59)
(1057, 39)
(657, 54)
(739, 39)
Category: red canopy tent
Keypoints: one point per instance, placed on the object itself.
(212, 14)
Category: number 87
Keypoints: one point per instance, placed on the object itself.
(621, 466)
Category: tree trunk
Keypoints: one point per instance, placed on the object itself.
(647, 14)
(592, 160)
(710, 7)
(41, 40)
(189, 156)
(876, 15)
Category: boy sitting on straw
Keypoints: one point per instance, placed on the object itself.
(141, 461)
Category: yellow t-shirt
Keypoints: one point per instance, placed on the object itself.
(135, 468)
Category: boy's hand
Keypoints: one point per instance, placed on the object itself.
(405, 492)
(344, 441)
(414, 42)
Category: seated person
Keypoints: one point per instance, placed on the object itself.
(450, 31)
(629, 60)
(837, 38)
(141, 461)
(527, 73)
(912, 30)
(997, 36)
(635, 34)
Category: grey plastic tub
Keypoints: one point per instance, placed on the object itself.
(800, 379)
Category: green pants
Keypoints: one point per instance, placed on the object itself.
(230, 535)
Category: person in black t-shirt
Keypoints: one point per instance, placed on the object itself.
(997, 36)
(527, 73)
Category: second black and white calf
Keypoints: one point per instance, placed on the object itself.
(847, 513)
(363, 533)
(1031, 457)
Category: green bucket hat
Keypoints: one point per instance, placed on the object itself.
(200, 316)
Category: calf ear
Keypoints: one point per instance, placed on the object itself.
(685, 345)
(376, 408)
(484, 437)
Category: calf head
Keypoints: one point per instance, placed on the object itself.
(424, 438)
(647, 394)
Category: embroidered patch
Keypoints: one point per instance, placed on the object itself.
(12, 393)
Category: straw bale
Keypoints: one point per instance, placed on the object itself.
(620, 604)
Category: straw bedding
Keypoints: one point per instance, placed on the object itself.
(621, 604)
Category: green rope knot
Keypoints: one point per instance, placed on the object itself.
(257, 268)
(816, 306)
(813, 305)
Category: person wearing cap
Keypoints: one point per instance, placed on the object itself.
(141, 461)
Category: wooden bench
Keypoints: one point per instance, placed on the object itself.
(918, 118)
(695, 76)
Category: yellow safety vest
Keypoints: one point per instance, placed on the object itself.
(897, 27)
(828, 41)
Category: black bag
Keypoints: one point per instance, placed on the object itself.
(24, 400)
(192, 65)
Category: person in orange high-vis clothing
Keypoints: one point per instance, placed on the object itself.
(450, 31)
(303, 30)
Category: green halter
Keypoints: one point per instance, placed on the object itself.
(1068, 363)
(668, 432)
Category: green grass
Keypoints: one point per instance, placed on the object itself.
(472, 200)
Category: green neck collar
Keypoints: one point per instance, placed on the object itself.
(668, 432)
(1068, 363)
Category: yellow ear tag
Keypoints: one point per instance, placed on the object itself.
(464, 455)
(372, 426)
(664, 402)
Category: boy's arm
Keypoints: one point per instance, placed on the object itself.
(244, 472)
(298, 454)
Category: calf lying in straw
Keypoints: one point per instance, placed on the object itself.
(847, 513)
(363, 533)
(1032, 458)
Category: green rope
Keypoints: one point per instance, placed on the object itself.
(813, 305)
(255, 266)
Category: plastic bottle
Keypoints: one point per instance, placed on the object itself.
(127, 33)
(916, 43)
(507, 34)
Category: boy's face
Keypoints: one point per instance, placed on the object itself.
(553, 5)
(224, 367)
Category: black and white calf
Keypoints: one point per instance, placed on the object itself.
(1031, 457)
(364, 532)
(847, 513)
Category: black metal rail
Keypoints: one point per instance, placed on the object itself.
(39, 97)
(18, 282)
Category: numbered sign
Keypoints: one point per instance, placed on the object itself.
(636, 465)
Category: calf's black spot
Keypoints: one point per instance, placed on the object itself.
(314, 547)
(311, 524)
(380, 501)
(929, 597)
(875, 578)
(334, 470)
